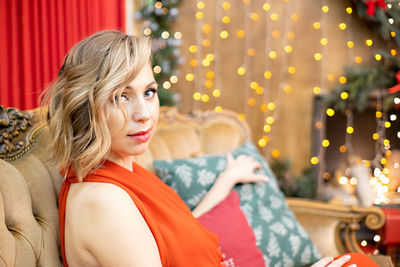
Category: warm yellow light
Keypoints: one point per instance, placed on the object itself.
(165, 35)
(158, 5)
(199, 15)
(291, 35)
(318, 56)
(367, 163)
(389, 153)
(224, 34)
(288, 48)
(271, 106)
(343, 180)
(246, 2)
(205, 98)
(292, 70)
(325, 9)
(241, 71)
(205, 62)
(200, 5)
(287, 89)
(330, 112)
(197, 96)
(147, 31)
(209, 84)
(349, 10)
(216, 93)
(316, 25)
(275, 34)
(276, 153)
(167, 85)
(325, 143)
(218, 109)
(254, 85)
(393, 52)
(342, 149)
(269, 120)
(240, 33)
(262, 142)
(267, 128)
(267, 75)
(266, 7)
(350, 130)
(386, 142)
(378, 114)
(314, 160)
(375, 136)
(378, 57)
(210, 75)
(242, 117)
(353, 181)
(387, 124)
(263, 107)
(383, 161)
(210, 57)
(259, 90)
(344, 95)
(324, 41)
(173, 79)
(358, 60)
(331, 77)
(274, 16)
(226, 19)
(393, 34)
(350, 44)
(206, 43)
(189, 77)
(251, 52)
(316, 90)
(369, 42)
(157, 69)
(251, 102)
(342, 79)
(342, 26)
(254, 16)
(294, 17)
(192, 49)
(273, 54)
(206, 28)
(226, 5)
(178, 35)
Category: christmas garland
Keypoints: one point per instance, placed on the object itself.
(384, 75)
(383, 16)
(158, 18)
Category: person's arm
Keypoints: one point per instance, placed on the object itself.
(114, 230)
(240, 170)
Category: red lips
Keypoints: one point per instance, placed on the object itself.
(142, 136)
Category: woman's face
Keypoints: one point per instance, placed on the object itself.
(141, 103)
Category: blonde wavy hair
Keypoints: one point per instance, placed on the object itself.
(94, 72)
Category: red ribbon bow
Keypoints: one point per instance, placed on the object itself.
(371, 5)
(395, 88)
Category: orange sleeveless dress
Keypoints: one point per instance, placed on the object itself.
(181, 239)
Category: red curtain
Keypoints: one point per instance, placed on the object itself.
(35, 35)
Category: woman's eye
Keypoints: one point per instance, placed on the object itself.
(150, 93)
(122, 98)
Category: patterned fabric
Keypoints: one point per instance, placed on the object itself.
(283, 241)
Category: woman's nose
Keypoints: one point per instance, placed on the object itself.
(141, 111)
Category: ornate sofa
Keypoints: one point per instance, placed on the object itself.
(29, 183)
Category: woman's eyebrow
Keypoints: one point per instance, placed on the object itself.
(150, 84)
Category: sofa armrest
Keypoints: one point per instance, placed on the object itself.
(328, 223)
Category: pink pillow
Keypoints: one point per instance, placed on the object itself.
(236, 238)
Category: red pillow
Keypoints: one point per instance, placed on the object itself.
(361, 260)
(236, 238)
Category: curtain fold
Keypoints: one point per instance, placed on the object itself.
(36, 35)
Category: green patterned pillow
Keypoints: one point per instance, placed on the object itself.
(279, 236)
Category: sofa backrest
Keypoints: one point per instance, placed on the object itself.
(30, 182)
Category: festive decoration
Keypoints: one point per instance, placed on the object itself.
(385, 18)
(158, 17)
(363, 80)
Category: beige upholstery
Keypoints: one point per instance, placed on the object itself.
(29, 184)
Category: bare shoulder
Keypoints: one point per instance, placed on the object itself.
(110, 226)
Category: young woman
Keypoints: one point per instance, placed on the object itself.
(103, 110)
